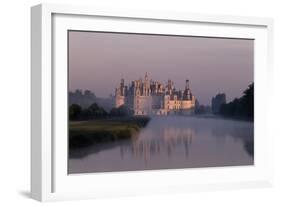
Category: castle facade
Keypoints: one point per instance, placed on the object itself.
(148, 97)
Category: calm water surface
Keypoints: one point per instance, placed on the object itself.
(171, 142)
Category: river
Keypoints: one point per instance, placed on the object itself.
(169, 143)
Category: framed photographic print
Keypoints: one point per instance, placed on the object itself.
(137, 102)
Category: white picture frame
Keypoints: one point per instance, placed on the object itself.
(49, 179)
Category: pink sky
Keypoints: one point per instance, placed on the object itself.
(97, 61)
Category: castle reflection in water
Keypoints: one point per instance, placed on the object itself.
(171, 142)
(146, 145)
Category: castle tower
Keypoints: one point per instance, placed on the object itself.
(122, 87)
(146, 86)
(120, 94)
(170, 87)
(187, 84)
(187, 93)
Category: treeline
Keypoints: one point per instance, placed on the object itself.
(201, 109)
(94, 111)
(242, 107)
(86, 98)
(82, 98)
(217, 101)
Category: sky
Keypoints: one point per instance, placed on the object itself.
(98, 60)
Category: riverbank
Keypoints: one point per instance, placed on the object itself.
(171, 142)
(87, 133)
(213, 116)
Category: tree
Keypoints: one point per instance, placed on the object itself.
(242, 107)
(248, 101)
(201, 109)
(217, 101)
(86, 114)
(120, 111)
(74, 112)
(97, 111)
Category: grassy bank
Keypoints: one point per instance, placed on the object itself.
(87, 133)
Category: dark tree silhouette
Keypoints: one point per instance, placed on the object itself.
(242, 107)
(97, 111)
(217, 101)
(93, 111)
(74, 112)
(121, 111)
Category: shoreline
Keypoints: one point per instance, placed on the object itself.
(90, 132)
(224, 117)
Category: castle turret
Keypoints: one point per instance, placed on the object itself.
(187, 93)
(170, 87)
(120, 94)
(146, 87)
(145, 97)
(187, 84)
(146, 77)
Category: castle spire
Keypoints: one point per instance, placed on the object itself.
(187, 84)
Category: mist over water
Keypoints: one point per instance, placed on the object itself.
(169, 143)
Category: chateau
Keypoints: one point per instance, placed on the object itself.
(148, 97)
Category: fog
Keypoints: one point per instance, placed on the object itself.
(172, 142)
